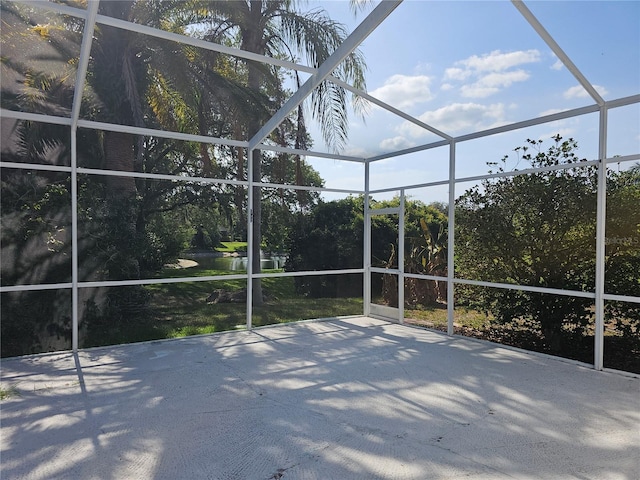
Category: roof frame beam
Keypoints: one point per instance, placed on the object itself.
(619, 102)
(389, 108)
(93, 18)
(362, 31)
(196, 42)
(83, 63)
(165, 35)
(564, 58)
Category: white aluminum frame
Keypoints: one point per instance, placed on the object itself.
(399, 271)
(369, 24)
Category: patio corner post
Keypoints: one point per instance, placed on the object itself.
(450, 237)
(601, 217)
(74, 243)
(83, 63)
(250, 195)
(366, 256)
(401, 244)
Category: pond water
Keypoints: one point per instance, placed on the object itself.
(236, 264)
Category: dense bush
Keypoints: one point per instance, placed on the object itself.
(330, 237)
(539, 230)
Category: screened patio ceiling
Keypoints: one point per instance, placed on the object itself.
(434, 157)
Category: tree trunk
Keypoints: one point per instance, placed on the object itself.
(119, 155)
(256, 238)
(239, 194)
(207, 166)
(121, 203)
(253, 41)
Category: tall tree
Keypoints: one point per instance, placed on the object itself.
(278, 28)
(622, 251)
(538, 230)
(149, 82)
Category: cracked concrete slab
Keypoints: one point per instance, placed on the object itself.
(340, 399)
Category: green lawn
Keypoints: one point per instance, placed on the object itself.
(436, 317)
(181, 309)
(8, 392)
(230, 247)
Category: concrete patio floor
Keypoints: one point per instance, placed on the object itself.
(337, 399)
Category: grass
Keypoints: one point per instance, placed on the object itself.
(620, 353)
(435, 316)
(181, 309)
(230, 247)
(8, 392)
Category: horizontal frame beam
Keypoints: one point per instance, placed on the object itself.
(310, 153)
(312, 273)
(610, 104)
(526, 288)
(384, 211)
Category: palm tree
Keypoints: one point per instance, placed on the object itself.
(277, 28)
(144, 81)
(149, 82)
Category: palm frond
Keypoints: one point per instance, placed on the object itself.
(329, 107)
(317, 36)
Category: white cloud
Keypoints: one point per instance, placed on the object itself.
(396, 143)
(356, 151)
(446, 86)
(564, 132)
(477, 90)
(457, 117)
(455, 73)
(493, 83)
(504, 79)
(449, 119)
(497, 61)
(550, 112)
(492, 72)
(575, 92)
(558, 65)
(579, 92)
(403, 91)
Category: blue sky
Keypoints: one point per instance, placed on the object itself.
(468, 66)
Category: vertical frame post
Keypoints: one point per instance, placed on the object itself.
(450, 238)
(83, 63)
(598, 360)
(250, 195)
(74, 242)
(366, 256)
(401, 258)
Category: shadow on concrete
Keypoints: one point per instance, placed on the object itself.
(344, 398)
